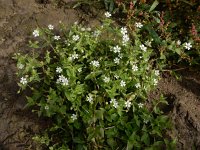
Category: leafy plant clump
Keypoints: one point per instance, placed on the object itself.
(93, 84)
(175, 40)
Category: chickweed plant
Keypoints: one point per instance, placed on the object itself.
(93, 85)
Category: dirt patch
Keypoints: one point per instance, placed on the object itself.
(17, 20)
(184, 107)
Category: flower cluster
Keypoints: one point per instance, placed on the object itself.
(51, 27)
(125, 37)
(56, 37)
(75, 37)
(106, 79)
(127, 104)
(63, 80)
(144, 48)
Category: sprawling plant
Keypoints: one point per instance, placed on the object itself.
(93, 84)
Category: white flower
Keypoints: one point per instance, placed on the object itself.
(178, 42)
(138, 25)
(146, 121)
(122, 83)
(70, 58)
(135, 68)
(46, 107)
(74, 56)
(106, 79)
(116, 60)
(36, 33)
(124, 30)
(89, 98)
(188, 46)
(116, 76)
(89, 29)
(23, 80)
(95, 63)
(140, 105)
(157, 73)
(107, 14)
(74, 117)
(125, 38)
(128, 104)
(75, 37)
(138, 85)
(155, 81)
(143, 48)
(113, 100)
(51, 27)
(60, 78)
(66, 42)
(63, 80)
(57, 37)
(79, 69)
(76, 22)
(96, 33)
(82, 29)
(115, 104)
(59, 70)
(120, 55)
(20, 66)
(148, 43)
(116, 49)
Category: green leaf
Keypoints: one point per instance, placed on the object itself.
(137, 120)
(101, 130)
(157, 110)
(111, 142)
(93, 75)
(78, 140)
(63, 109)
(153, 33)
(145, 138)
(34, 44)
(47, 57)
(31, 101)
(178, 51)
(80, 88)
(153, 6)
(100, 113)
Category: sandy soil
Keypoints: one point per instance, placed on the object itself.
(18, 18)
(183, 97)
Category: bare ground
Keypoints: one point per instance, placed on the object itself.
(183, 96)
(18, 18)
